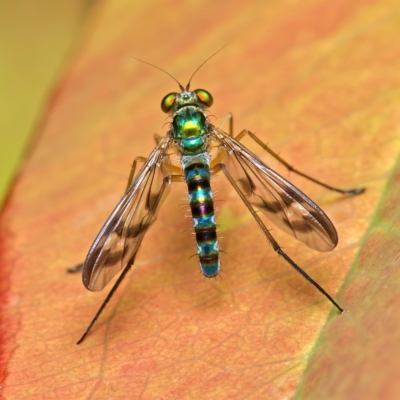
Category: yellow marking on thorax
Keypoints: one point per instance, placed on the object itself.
(190, 129)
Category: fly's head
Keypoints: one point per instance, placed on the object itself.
(200, 98)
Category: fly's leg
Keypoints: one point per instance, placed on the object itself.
(272, 241)
(79, 267)
(74, 270)
(219, 157)
(350, 192)
(157, 138)
(244, 132)
(168, 180)
(228, 118)
(133, 168)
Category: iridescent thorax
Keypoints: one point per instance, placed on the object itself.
(189, 124)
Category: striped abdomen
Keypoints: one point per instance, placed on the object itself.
(202, 206)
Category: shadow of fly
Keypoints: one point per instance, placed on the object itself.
(203, 150)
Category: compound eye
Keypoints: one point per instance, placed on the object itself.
(205, 97)
(168, 101)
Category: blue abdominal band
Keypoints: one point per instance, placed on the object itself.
(202, 207)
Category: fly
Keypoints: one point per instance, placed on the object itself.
(203, 150)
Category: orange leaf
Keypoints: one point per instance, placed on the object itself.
(364, 343)
(317, 81)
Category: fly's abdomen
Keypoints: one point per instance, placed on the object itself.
(202, 207)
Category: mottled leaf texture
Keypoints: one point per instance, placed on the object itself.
(319, 82)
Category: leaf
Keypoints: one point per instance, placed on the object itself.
(318, 82)
(363, 342)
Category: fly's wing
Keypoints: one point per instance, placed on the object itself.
(119, 239)
(285, 205)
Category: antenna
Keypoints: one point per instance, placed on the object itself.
(212, 55)
(155, 66)
(180, 86)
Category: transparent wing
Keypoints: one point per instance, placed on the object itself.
(119, 239)
(285, 205)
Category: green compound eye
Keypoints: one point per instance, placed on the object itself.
(205, 97)
(168, 101)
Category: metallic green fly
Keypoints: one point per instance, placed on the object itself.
(203, 150)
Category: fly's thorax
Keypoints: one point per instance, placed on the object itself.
(189, 122)
(190, 128)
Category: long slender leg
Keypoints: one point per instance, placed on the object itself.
(79, 267)
(350, 192)
(217, 159)
(142, 159)
(157, 138)
(229, 118)
(167, 181)
(133, 168)
(220, 156)
(273, 242)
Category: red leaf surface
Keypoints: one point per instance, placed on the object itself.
(318, 81)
